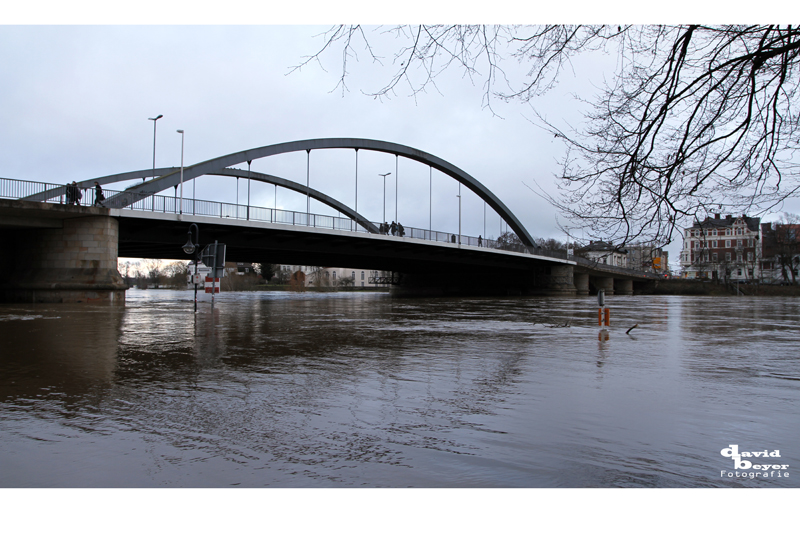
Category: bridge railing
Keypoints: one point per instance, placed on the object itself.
(17, 189)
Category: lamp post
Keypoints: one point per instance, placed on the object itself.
(384, 194)
(154, 144)
(181, 208)
(190, 248)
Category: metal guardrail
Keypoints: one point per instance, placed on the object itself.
(18, 189)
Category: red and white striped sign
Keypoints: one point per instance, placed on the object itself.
(212, 284)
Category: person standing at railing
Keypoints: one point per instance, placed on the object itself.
(70, 195)
(480, 241)
(98, 195)
(73, 194)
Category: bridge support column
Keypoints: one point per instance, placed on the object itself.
(581, 282)
(623, 287)
(604, 284)
(72, 260)
(555, 280)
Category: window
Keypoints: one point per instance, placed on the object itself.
(362, 276)
(749, 256)
(738, 243)
(696, 245)
(749, 243)
(739, 257)
(728, 257)
(738, 231)
(714, 257)
(713, 244)
(353, 275)
(334, 274)
(727, 243)
(727, 231)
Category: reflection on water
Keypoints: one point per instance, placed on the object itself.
(348, 389)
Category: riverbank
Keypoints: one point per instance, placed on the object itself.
(708, 288)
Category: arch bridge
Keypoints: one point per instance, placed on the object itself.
(156, 233)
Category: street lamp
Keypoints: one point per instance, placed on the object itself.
(384, 194)
(181, 208)
(154, 144)
(189, 248)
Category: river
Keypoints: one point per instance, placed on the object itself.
(281, 389)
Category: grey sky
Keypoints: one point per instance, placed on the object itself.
(76, 99)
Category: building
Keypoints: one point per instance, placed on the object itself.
(648, 258)
(725, 248)
(604, 253)
(312, 276)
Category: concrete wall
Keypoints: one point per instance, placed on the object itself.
(74, 263)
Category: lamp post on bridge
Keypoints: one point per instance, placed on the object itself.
(154, 144)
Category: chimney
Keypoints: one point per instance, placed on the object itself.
(716, 216)
(728, 217)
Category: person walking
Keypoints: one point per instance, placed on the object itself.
(70, 194)
(98, 195)
(393, 227)
(480, 241)
(76, 193)
(401, 230)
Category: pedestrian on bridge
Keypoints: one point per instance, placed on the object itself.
(98, 195)
(480, 241)
(401, 230)
(73, 194)
(393, 227)
(70, 194)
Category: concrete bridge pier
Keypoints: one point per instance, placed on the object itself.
(581, 282)
(604, 284)
(555, 280)
(59, 253)
(623, 287)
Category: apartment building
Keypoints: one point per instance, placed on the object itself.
(724, 248)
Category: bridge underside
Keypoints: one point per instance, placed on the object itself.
(423, 268)
(62, 253)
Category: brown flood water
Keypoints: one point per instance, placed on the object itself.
(362, 390)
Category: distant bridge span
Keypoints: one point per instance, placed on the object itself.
(216, 165)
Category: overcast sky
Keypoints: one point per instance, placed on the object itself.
(76, 99)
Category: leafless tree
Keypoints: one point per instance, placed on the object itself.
(695, 119)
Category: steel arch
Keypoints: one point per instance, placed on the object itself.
(239, 173)
(211, 166)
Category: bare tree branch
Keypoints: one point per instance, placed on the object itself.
(696, 119)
